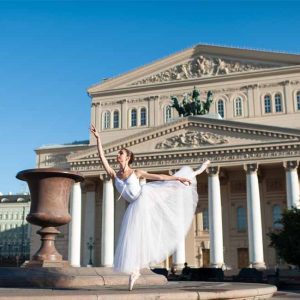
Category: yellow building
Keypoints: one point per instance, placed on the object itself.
(14, 229)
(254, 149)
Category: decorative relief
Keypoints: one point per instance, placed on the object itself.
(295, 82)
(55, 160)
(203, 66)
(191, 139)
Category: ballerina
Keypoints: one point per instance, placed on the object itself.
(159, 213)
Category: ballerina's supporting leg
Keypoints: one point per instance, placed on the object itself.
(202, 167)
(132, 279)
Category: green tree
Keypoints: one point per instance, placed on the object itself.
(286, 240)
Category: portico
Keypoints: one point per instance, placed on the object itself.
(254, 176)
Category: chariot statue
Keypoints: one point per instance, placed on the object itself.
(191, 103)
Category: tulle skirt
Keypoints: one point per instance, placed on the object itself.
(156, 222)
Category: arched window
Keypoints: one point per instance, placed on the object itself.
(168, 113)
(298, 100)
(238, 107)
(205, 219)
(116, 119)
(276, 216)
(106, 120)
(278, 104)
(133, 120)
(143, 116)
(220, 108)
(241, 218)
(268, 107)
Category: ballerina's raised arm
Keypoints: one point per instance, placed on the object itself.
(109, 170)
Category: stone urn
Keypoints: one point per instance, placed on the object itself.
(50, 192)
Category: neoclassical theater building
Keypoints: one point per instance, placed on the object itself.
(251, 136)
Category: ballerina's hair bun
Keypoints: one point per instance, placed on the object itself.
(130, 154)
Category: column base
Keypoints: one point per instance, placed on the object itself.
(258, 265)
(107, 266)
(216, 265)
(178, 267)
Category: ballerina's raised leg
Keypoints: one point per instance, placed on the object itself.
(202, 167)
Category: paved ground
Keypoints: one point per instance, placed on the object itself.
(287, 294)
(172, 291)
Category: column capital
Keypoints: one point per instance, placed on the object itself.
(172, 171)
(88, 186)
(104, 177)
(251, 168)
(290, 165)
(212, 171)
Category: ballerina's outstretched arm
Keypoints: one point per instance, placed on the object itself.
(109, 170)
(162, 177)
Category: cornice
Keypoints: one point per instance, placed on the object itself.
(219, 157)
(198, 82)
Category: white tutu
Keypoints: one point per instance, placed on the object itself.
(157, 219)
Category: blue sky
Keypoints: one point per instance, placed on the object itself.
(52, 51)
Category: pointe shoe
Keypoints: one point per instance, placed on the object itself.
(132, 279)
(202, 167)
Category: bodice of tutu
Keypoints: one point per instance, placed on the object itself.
(129, 188)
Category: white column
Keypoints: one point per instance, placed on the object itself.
(292, 184)
(179, 255)
(107, 240)
(256, 251)
(215, 218)
(89, 227)
(75, 226)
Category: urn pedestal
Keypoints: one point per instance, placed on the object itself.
(50, 192)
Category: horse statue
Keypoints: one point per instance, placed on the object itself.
(187, 105)
(207, 104)
(175, 103)
(196, 102)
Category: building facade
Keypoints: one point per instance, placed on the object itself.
(254, 149)
(14, 229)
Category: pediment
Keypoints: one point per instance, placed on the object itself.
(196, 134)
(201, 61)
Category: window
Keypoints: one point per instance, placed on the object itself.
(220, 108)
(268, 107)
(238, 107)
(116, 119)
(205, 219)
(298, 100)
(106, 120)
(143, 116)
(241, 219)
(168, 113)
(133, 118)
(278, 105)
(276, 216)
